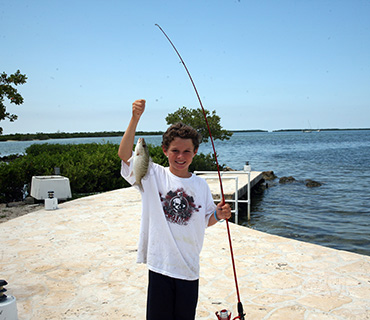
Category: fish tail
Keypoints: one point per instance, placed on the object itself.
(139, 185)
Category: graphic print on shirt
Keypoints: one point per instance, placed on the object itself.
(178, 206)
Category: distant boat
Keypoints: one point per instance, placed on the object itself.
(310, 130)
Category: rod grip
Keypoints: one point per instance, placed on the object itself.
(241, 311)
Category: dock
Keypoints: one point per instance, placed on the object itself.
(79, 262)
(228, 182)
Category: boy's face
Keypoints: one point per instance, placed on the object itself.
(180, 154)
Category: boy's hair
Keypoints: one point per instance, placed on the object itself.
(182, 131)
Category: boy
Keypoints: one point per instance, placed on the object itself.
(177, 206)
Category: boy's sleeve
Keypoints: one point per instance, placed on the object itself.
(127, 172)
(210, 204)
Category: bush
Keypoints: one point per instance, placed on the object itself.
(204, 162)
(12, 181)
(90, 167)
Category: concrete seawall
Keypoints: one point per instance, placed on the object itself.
(79, 262)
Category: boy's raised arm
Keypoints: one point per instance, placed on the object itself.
(127, 142)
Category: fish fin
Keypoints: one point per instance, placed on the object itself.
(130, 159)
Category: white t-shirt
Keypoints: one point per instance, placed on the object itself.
(175, 214)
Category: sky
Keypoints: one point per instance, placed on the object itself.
(259, 64)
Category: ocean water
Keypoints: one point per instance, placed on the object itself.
(335, 215)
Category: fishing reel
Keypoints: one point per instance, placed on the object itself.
(226, 315)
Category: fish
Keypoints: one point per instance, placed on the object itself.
(141, 161)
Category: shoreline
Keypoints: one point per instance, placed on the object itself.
(12, 210)
(16, 137)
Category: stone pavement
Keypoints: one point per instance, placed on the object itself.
(79, 262)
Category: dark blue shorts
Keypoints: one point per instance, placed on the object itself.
(170, 298)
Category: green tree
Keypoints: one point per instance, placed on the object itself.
(195, 118)
(7, 90)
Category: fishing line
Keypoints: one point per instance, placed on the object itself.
(240, 306)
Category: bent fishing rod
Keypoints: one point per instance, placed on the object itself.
(240, 305)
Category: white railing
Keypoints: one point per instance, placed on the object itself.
(228, 175)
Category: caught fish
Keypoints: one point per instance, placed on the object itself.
(140, 160)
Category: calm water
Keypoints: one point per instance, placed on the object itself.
(336, 214)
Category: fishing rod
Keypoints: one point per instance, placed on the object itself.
(240, 305)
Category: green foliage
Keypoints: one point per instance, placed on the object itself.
(204, 162)
(90, 167)
(8, 91)
(11, 182)
(195, 118)
(157, 155)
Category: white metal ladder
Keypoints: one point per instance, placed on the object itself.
(228, 175)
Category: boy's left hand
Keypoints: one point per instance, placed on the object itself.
(223, 211)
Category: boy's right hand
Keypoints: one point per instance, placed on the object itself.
(138, 108)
